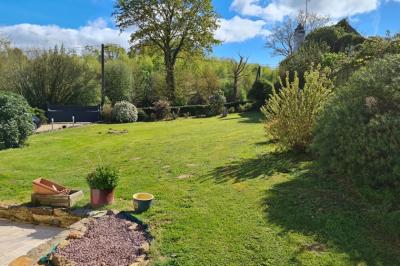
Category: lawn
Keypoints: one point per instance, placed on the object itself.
(224, 194)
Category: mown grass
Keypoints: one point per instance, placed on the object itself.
(241, 202)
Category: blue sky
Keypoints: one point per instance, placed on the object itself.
(244, 23)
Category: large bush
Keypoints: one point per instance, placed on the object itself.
(162, 109)
(15, 120)
(358, 134)
(291, 112)
(217, 103)
(124, 112)
(260, 92)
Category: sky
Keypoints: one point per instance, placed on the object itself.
(244, 24)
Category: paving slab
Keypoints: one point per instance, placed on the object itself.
(17, 239)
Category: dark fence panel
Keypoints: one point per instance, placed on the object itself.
(81, 113)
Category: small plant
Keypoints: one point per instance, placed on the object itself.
(124, 112)
(106, 112)
(217, 103)
(103, 178)
(291, 113)
(162, 109)
(41, 114)
(15, 120)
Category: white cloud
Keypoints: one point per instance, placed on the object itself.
(47, 36)
(239, 30)
(276, 10)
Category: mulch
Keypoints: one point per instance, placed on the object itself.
(108, 240)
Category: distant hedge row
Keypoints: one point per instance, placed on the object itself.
(192, 110)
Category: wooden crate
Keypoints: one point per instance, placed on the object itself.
(62, 201)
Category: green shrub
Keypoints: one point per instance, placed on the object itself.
(15, 120)
(103, 178)
(143, 116)
(195, 110)
(106, 112)
(231, 110)
(358, 134)
(291, 112)
(217, 103)
(41, 114)
(240, 108)
(162, 110)
(124, 112)
(248, 107)
(260, 93)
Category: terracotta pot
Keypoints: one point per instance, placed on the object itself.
(101, 197)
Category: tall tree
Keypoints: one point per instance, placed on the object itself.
(174, 27)
(238, 72)
(281, 41)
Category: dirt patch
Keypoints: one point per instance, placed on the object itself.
(117, 132)
(186, 176)
(108, 240)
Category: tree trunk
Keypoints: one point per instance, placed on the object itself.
(170, 78)
(235, 88)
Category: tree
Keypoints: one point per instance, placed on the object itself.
(281, 40)
(118, 79)
(57, 77)
(173, 27)
(238, 72)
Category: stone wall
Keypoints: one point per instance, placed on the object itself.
(59, 217)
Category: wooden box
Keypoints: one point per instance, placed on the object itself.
(59, 200)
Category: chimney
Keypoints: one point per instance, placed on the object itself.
(299, 36)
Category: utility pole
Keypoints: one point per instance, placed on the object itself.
(103, 81)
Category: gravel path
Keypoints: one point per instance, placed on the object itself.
(107, 241)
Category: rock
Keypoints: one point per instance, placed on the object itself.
(141, 260)
(63, 244)
(97, 214)
(145, 247)
(45, 219)
(75, 235)
(21, 213)
(133, 227)
(58, 260)
(67, 221)
(112, 212)
(42, 210)
(22, 261)
(61, 212)
(143, 263)
(78, 226)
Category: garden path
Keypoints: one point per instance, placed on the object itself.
(16, 239)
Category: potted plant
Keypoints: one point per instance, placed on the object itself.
(142, 202)
(102, 183)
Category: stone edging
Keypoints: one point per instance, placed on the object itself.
(59, 217)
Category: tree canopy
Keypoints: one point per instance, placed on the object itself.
(173, 27)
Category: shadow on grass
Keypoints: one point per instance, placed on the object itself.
(251, 117)
(260, 167)
(314, 205)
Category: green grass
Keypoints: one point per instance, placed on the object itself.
(244, 204)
